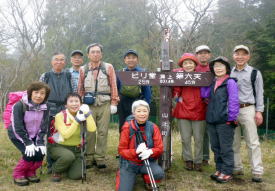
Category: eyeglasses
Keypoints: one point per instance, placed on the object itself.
(59, 60)
(95, 52)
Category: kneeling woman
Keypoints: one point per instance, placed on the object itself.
(66, 151)
(27, 130)
(133, 154)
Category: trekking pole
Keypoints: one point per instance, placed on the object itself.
(83, 151)
(147, 164)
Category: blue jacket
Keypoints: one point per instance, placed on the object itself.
(145, 90)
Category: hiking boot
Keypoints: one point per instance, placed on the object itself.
(189, 165)
(49, 171)
(223, 178)
(205, 163)
(100, 166)
(91, 164)
(148, 187)
(215, 175)
(238, 173)
(56, 177)
(33, 179)
(198, 167)
(257, 178)
(21, 181)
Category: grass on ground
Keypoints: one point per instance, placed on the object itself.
(178, 179)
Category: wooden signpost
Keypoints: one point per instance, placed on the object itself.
(165, 79)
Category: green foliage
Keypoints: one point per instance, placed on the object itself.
(118, 25)
(249, 22)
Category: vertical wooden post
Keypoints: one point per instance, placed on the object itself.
(165, 105)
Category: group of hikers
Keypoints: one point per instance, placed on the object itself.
(51, 115)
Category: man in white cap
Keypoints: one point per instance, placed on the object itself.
(203, 53)
(250, 116)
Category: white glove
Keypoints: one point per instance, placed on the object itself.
(80, 116)
(30, 150)
(43, 149)
(141, 147)
(113, 109)
(145, 154)
(84, 108)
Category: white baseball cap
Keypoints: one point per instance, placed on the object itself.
(243, 47)
(202, 47)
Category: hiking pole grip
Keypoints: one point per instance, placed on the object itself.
(146, 163)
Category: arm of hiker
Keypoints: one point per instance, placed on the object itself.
(80, 87)
(18, 124)
(233, 100)
(112, 81)
(259, 92)
(124, 142)
(205, 92)
(66, 131)
(158, 144)
(43, 129)
(259, 99)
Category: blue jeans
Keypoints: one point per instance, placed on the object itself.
(221, 140)
(129, 170)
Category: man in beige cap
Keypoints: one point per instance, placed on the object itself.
(250, 116)
(203, 53)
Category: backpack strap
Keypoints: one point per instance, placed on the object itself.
(24, 107)
(103, 68)
(86, 70)
(149, 132)
(46, 77)
(253, 79)
(65, 116)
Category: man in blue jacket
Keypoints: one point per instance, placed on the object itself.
(129, 94)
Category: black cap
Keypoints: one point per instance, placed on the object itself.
(223, 60)
(130, 51)
(77, 52)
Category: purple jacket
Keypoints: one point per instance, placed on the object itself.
(29, 125)
(223, 102)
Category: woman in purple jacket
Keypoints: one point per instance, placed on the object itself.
(221, 116)
(29, 125)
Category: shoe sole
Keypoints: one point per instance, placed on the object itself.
(213, 177)
(21, 183)
(257, 180)
(34, 181)
(56, 180)
(223, 181)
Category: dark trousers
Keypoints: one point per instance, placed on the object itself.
(38, 156)
(124, 109)
(128, 171)
(221, 140)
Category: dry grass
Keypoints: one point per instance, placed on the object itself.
(178, 178)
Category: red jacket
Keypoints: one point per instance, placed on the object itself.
(192, 106)
(127, 145)
(202, 68)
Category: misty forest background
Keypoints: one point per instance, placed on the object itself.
(32, 30)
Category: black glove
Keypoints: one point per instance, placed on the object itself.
(232, 123)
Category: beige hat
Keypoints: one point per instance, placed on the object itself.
(202, 47)
(243, 47)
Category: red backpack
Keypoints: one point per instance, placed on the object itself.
(13, 98)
